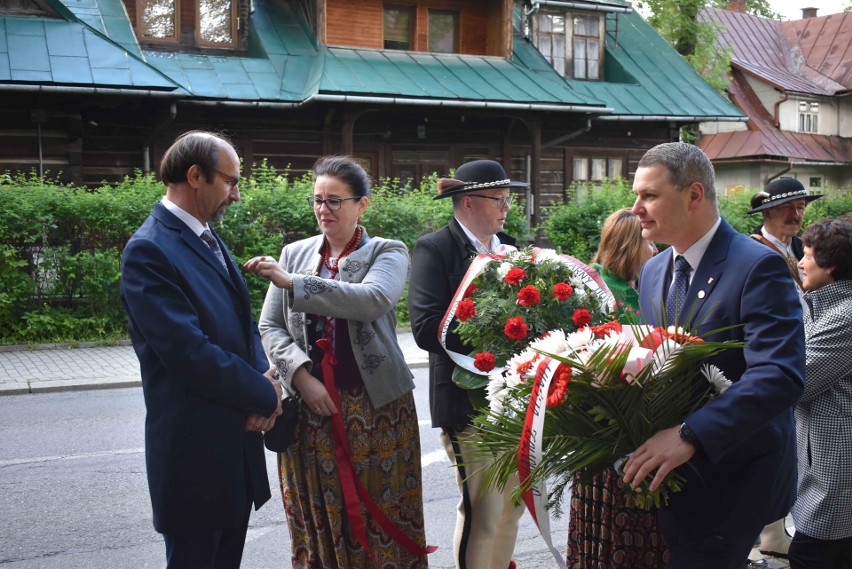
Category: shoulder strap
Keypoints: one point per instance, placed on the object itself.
(794, 270)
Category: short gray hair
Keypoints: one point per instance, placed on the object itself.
(685, 163)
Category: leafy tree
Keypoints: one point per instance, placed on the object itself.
(677, 21)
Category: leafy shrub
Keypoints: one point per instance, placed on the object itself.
(60, 246)
(575, 226)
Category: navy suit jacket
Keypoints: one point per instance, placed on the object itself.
(744, 474)
(202, 370)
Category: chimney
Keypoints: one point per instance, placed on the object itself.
(809, 13)
(737, 6)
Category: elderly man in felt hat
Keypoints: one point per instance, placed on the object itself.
(487, 522)
(782, 204)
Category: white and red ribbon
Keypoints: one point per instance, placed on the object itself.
(530, 451)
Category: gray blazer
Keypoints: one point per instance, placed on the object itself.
(367, 289)
(823, 507)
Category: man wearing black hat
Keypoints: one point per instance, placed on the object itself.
(487, 522)
(783, 205)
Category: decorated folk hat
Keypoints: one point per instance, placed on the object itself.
(781, 190)
(476, 175)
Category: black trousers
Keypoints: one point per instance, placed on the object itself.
(192, 548)
(808, 552)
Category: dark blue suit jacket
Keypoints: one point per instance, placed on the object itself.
(202, 370)
(744, 476)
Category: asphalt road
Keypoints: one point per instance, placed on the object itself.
(73, 491)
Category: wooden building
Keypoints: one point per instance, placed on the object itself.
(556, 91)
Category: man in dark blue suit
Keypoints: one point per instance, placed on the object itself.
(738, 451)
(205, 377)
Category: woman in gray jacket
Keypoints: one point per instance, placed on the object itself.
(823, 508)
(329, 326)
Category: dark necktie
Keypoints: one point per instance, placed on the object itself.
(677, 292)
(207, 237)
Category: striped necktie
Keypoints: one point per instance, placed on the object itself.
(207, 237)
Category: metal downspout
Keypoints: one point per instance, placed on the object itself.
(775, 119)
(781, 173)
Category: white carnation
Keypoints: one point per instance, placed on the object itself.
(716, 378)
(503, 270)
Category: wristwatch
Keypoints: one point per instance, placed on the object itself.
(687, 434)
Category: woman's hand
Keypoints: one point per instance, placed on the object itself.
(269, 269)
(314, 394)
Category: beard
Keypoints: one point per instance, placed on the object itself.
(219, 215)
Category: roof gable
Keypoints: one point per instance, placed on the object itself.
(807, 56)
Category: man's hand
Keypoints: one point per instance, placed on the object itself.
(663, 452)
(259, 423)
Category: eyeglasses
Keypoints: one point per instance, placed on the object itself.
(333, 204)
(231, 181)
(499, 203)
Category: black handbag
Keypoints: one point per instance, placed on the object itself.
(280, 436)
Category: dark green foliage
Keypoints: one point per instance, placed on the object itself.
(575, 227)
(60, 246)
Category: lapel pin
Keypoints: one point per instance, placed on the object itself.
(701, 293)
(710, 280)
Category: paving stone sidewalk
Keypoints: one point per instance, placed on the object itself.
(54, 367)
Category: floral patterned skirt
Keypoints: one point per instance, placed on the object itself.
(604, 532)
(384, 445)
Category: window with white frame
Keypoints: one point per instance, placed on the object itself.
(808, 116)
(587, 47)
(571, 41)
(596, 169)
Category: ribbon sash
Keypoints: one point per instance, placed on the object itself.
(353, 488)
(530, 451)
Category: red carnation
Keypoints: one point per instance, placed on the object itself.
(605, 329)
(484, 361)
(470, 290)
(529, 296)
(516, 328)
(465, 310)
(558, 389)
(515, 276)
(561, 291)
(582, 317)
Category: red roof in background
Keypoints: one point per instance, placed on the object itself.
(811, 56)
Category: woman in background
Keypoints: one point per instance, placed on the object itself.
(603, 530)
(621, 253)
(823, 508)
(329, 326)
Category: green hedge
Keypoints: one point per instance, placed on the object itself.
(575, 226)
(60, 246)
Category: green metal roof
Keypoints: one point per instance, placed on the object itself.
(93, 44)
(646, 76)
(444, 77)
(50, 51)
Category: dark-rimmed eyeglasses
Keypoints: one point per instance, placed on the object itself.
(499, 203)
(333, 204)
(230, 180)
